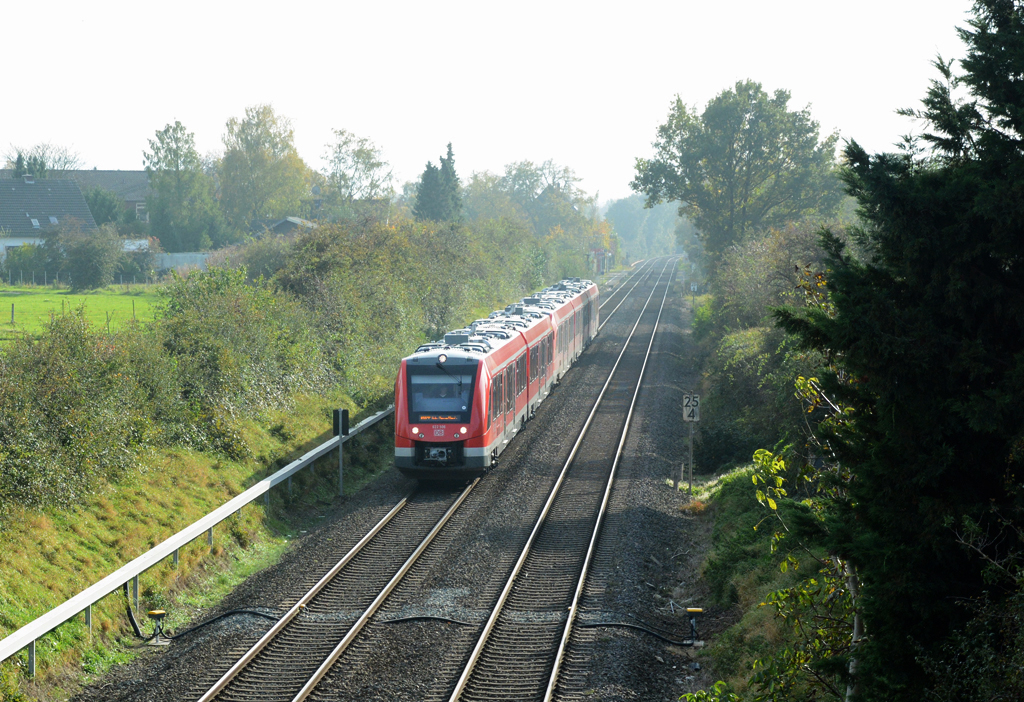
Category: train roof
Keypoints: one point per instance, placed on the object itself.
(484, 336)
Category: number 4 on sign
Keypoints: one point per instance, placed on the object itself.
(691, 408)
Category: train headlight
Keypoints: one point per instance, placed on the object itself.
(415, 430)
(463, 430)
(442, 358)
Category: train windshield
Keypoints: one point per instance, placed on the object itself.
(441, 393)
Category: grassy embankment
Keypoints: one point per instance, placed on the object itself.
(48, 556)
(33, 306)
(740, 571)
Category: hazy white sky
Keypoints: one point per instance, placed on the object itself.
(583, 83)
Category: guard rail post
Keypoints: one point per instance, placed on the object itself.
(341, 429)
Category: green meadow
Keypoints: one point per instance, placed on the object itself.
(33, 306)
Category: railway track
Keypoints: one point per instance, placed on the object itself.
(289, 660)
(303, 644)
(519, 651)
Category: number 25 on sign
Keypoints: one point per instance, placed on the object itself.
(691, 408)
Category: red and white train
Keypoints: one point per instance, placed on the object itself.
(459, 402)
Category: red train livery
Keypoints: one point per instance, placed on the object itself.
(460, 401)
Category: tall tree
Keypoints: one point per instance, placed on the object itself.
(746, 162)
(928, 333)
(356, 169)
(261, 174)
(439, 195)
(182, 211)
(451, 188)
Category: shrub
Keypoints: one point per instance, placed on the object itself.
(70, 417)
(89, 259)
(236, 345)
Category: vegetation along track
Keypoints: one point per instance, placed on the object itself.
(519, 649)
(289, 660)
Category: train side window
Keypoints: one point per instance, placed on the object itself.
(495, 396)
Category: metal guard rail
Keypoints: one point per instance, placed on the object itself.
(26, 636)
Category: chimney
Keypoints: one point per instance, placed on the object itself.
(29, 178)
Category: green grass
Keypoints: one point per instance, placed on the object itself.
(33, 306)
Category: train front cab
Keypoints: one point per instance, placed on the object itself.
(442, 408)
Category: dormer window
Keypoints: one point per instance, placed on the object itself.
(53, 220)
(35, 224)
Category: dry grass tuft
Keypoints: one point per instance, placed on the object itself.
(694, 507)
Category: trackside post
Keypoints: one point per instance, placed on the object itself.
(341, 429)
(691, 415)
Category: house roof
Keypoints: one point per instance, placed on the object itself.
(131, 186)
(50, 203)
(280, 226)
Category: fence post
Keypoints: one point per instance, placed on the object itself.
(32, 659)
(135, 591)
(174, 558)
(88, 618)
(209, 538)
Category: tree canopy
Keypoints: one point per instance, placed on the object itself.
(926, 334)
(746, 162)
(261, 173)
(183, 213)
(356, 171)
(43, 160)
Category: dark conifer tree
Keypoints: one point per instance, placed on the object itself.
(928, 328)
(428, 195)
(439, 195)
(451, 190)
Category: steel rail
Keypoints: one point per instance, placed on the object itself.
(379, 600)
(300, 605)
(574, 607)
(489, 626)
